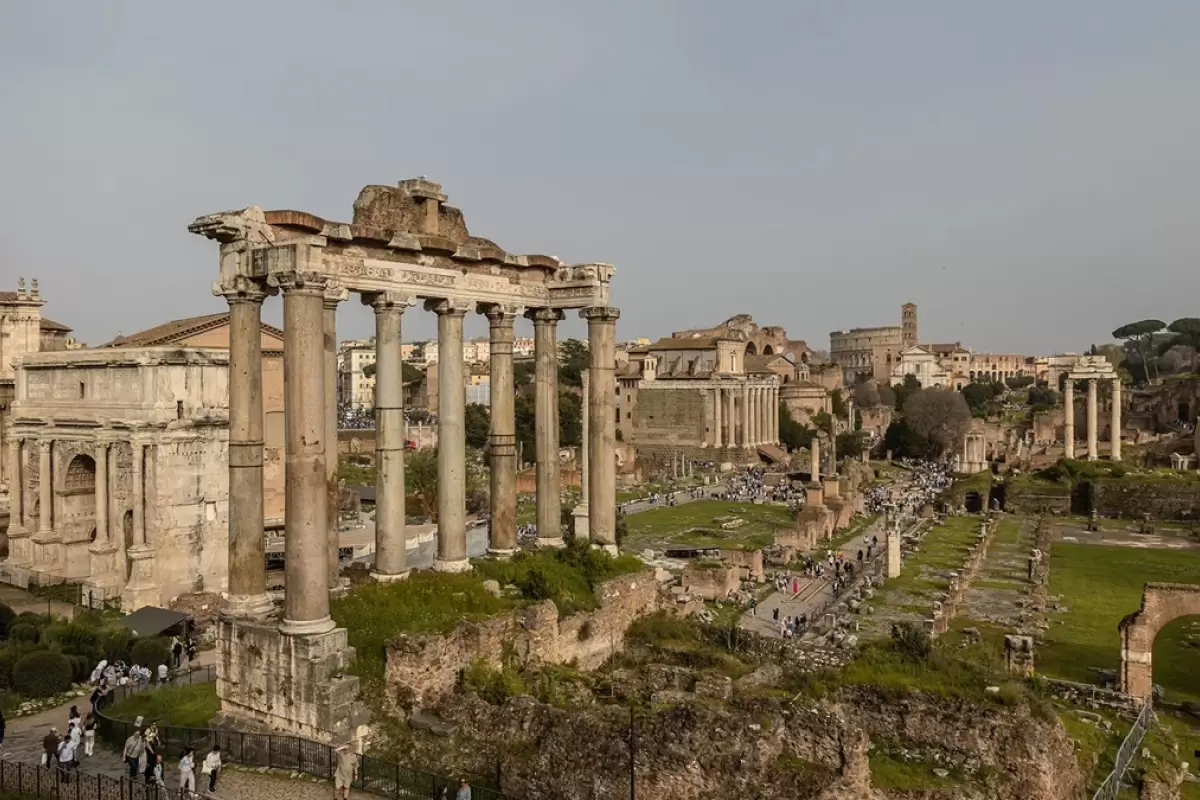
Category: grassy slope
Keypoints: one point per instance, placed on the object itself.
(694, 524)
(1100, 585)
(187, 706)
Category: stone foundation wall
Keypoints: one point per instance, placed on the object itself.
(669, 418)
(292, 684)
(1131, 498)
(421, 667)
(710, 581)
(748, 562)
(1024, 499)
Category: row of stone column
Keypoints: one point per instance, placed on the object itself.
(744, 415)
(311, 536)
(1092, 419)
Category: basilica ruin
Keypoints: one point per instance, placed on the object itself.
(403, 245)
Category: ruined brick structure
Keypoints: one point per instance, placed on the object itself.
(1161, 603)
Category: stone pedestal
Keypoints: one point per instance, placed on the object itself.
(290, 683)
(893, 554)
(142, 590)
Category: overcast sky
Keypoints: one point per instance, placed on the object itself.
(1026, 172)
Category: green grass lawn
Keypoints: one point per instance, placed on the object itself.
(697, 524)
(189, 706)
(1100, 585)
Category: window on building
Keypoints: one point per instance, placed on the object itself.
(82, 390)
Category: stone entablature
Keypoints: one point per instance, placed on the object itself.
(422, 667)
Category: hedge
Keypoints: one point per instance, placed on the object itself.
(23, 632)
(7, 615)
(151, 652)
(42, 674)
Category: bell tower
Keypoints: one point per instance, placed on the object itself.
(908, 325)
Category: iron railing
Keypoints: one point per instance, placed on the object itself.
(56, 783)
(291, 753)
(1129, 748)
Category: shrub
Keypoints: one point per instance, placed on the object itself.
(9, 656)
(81, 667)
(534, 585)
(118, 644)
(910, 641)
(38, 621)
(150, 652)
(23, 632)
(7, 615)
(74, 638)
(43, 673)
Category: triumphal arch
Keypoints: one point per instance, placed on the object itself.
(404, 245)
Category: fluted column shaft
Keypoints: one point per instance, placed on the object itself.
(545, 353)
(452, 443)
(602, 426)
(139, 494)
(334, 501)
(1069, 418)
(247, 550)
(45, 489)
(102, 533)
(1116, 420)
(1092, 439)
(16, 483)
(306, 596)
(718, 421)
(502, 439)
(744, 441)
(390, 537)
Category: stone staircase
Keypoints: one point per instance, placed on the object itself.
(773, 453)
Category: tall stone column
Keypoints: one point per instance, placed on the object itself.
(1092, 448)
(19, 545)
(580, 513)
(545, 354)
(602, 427)
(502, 439)
(774, 415)
(141, 589)
(333, 296)
(452, 443)
(814, 458)
(247, 597)
(744, 440)
(45, 490)
(390, 537)
(756, 405)
(105, 569)
(718, 421)
(1116, 420)
(306, 575)
(1069, 418)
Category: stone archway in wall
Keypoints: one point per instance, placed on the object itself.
(751, 350)
(1161, 603)
(768, 350)
(77, 505)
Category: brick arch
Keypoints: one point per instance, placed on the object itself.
(1161, 603)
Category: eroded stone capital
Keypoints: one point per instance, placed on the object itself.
(247, 225)
(544, 316)
(444, 307)
(600, 314)
(299, 281)
(388, 301)
(501, 314)
(240, 289)
(335, 293)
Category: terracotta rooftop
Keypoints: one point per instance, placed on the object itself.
(51, 325)
(171, 332)
(762, 363)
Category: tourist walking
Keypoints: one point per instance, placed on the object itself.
(212, 767)
(89, 734)
(50, 747)
(187, 771)
(464, 790)
(135, 748)
(346, 772)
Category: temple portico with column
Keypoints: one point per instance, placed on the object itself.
(1092, 369)
(404, 246)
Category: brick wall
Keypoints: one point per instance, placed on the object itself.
(669, 417)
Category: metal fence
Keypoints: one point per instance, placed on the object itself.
(1129, 748)
(32, 780)
(291, 753)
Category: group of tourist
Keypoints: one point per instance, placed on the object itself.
(143, 756)
(64, 751)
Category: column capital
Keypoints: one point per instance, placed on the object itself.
(446, 307)
(45, 442)
(300, 281)
(600, 314)
(501, 313)
(335, 294)
(544, 316)
(240, 289)
(388, 301)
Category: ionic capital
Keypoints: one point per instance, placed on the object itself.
(334, 294)
(445, 307)
(240, 289)
(544, 316)
(501, 314)
(299, 281)
(600, 314)
(388, 301)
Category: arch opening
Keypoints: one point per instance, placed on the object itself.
(1162, 603)
(751, 350)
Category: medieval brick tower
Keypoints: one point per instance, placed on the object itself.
(908, 325)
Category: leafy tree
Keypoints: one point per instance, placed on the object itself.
(866, 394)
(1139, 338)
(523, 373)
(980, 396)
(837, 403)
(368, 370)
(420, 482)
(526, 421)
(573, 358)
(409, 375)
(940, 416)
(793, 435)
(478, 422)
(1019, 381)
(887, 396)
(570, 419)
(822, 421)
(900, 439)
(1042, 396)
(1187, 331)
(853, 444)
(905, 390)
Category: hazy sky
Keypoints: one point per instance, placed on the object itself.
(1027, 172)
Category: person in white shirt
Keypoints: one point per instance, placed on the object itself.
(162, 673)
(212, 767)
(187, 771)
